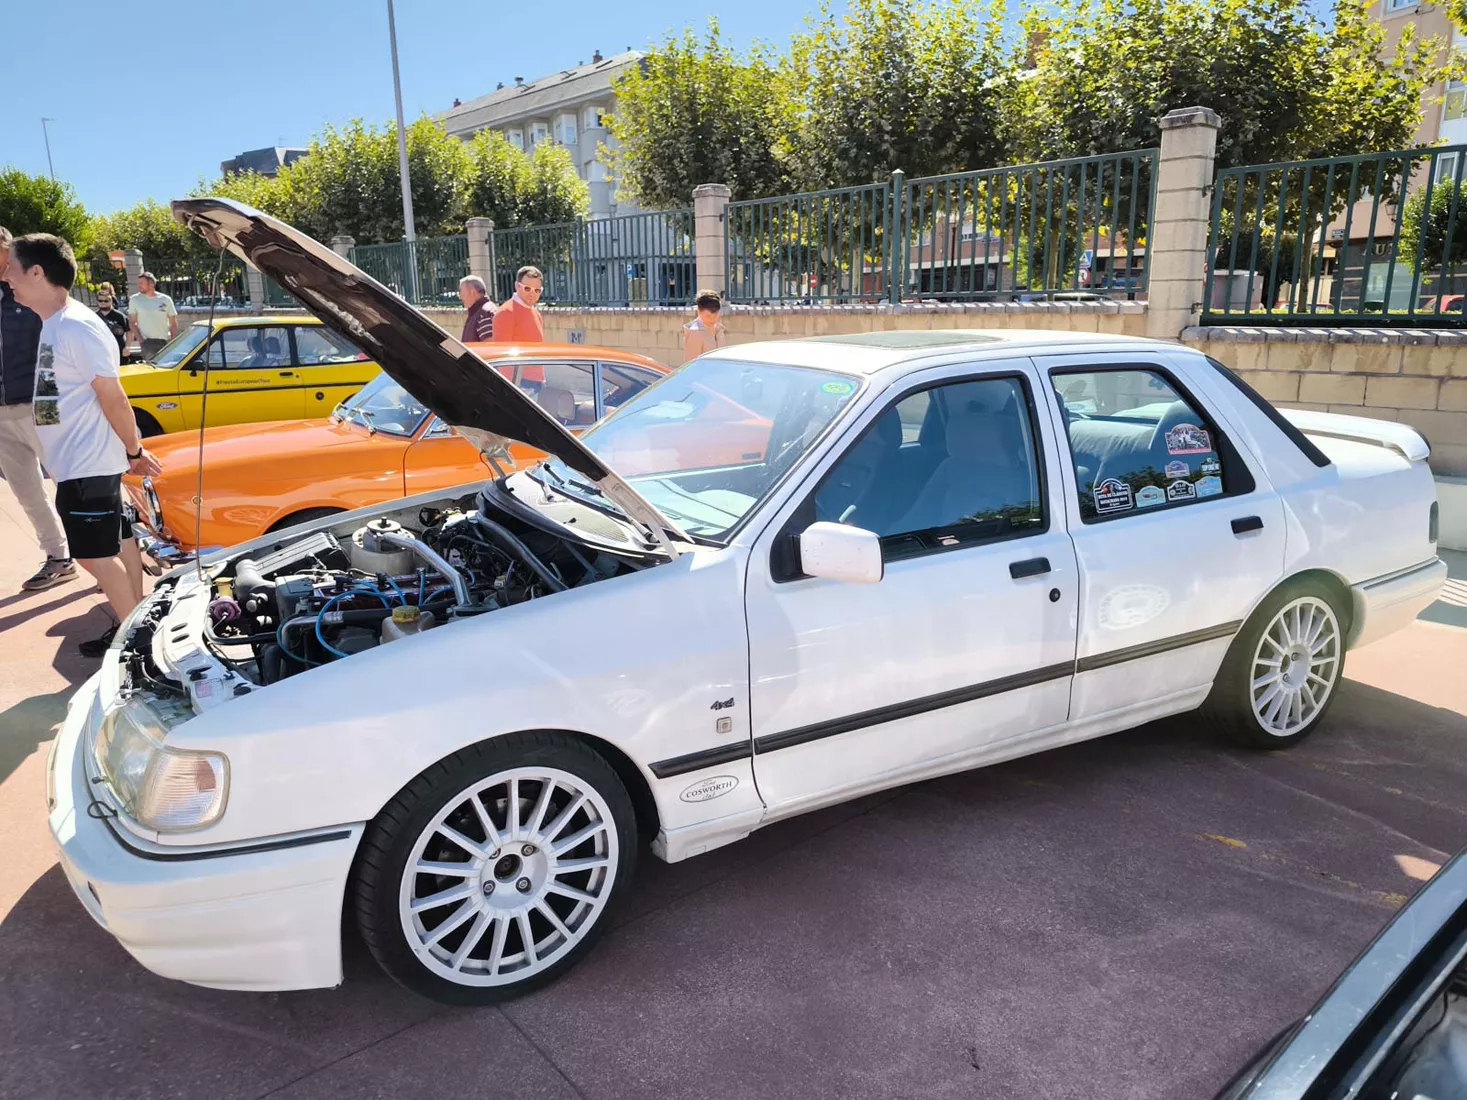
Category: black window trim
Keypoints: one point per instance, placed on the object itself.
(1279, 420)
(1232, 458)
(785, 554)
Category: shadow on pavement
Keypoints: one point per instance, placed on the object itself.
(27, 725)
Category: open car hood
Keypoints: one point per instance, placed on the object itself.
(438, 370)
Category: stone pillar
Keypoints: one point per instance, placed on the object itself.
(255, 287)
(1176, 243)
(132, 265)
(481, 251)
(342, 245)
(710, 202)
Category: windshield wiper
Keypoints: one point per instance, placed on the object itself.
(349, 411)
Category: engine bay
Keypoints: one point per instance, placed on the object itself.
(312, 599)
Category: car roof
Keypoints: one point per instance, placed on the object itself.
(873, 352)
(494, 352)
(273, 319)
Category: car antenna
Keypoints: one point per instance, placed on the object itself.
(203, 420)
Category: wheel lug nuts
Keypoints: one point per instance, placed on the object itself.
(488, 888)
(494, 854)
(523, 886)
(527, 850)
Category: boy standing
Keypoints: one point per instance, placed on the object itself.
(705, 331)
(84, 422)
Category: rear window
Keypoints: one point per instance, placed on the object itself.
(1281, 422)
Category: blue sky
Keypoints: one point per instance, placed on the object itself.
(147, 97)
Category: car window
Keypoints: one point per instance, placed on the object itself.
(250, 348)
(382, 405)
(1137, 443)
(315, 345)
(564, 390)
(946, 466)
(620, 383)
(181, 346)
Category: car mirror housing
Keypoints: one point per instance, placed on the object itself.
(839, 552)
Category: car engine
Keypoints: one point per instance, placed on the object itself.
(321, 597)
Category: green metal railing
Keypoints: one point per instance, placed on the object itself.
(191, 285)
(1031, 231)
(820, 246)
(1379, 238)
(633, 259)
(425, 272)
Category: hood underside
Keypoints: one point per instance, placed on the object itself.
(437, 369)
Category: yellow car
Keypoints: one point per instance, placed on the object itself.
(260, 368)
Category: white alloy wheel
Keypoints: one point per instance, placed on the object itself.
(1295, 666)
(509, 876)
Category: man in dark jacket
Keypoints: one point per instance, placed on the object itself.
(115, 320)
(20, 447)
(479, 325)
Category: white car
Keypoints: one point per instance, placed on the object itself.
(787, 575)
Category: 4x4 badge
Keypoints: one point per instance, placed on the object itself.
(722, 704)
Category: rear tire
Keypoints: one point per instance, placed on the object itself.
(493, 872)
(1283, 669)
(306, 515)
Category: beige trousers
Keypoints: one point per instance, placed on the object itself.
(20, 463)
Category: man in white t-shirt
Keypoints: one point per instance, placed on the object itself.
(84, 422)
(154, 317)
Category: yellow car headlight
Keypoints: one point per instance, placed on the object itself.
(170, 790)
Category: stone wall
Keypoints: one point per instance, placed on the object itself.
(1416, 377)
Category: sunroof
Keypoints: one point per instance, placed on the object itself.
(899, 338)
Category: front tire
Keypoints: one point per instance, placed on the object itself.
(148, 427)
(1283, 669)
(493, 872)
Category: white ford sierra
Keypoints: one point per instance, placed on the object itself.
(787, 575)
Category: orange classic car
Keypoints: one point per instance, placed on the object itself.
(378, 445)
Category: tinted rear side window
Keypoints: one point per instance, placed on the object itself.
(1281, 422)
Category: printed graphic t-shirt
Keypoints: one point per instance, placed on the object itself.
(76, 436)
(152, 314)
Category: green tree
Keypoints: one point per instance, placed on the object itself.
(1096, 77)
(37, 204)
(554, 191)
(895, 84)
(1447, 214)
(695, 112)
(148, 226)
(513, 188)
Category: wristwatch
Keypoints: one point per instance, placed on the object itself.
(134, 458)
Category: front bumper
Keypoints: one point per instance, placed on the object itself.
(162, 552)
(1387, 604)
(261, 916)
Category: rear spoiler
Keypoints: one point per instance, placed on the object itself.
(1401, 438)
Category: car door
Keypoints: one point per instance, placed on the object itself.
(967, 641)
(251, 378)
(329, 368)
(1177, 531)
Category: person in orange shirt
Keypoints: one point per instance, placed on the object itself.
(518, 321)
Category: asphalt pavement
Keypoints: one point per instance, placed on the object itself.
(1128, 918)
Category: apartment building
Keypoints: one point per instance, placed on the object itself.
(569, 107)
(1444, 106)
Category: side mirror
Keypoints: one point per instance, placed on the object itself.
(838, 552)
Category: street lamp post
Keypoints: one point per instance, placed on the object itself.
(47, 134)
(410, 273)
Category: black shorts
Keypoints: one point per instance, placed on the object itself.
(93, 515)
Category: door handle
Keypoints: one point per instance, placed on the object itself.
(1032, 567)
(287, 374)
(1243, 524)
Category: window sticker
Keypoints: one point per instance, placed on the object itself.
(1209, 486)
(1112, 495)
(1177, 468)
(1150, 496)
(1210, 465)
(840, 389)
(1181, 490)
(1187, 439)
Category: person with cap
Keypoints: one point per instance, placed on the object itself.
(153, 315)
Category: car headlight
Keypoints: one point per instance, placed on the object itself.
(171, 790)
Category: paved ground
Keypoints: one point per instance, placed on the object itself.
(1129, 919)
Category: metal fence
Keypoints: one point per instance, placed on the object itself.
(425, 272)
(1378, 238)
(633, 259)
(192, 288)
(1031, 231)
(820, 246)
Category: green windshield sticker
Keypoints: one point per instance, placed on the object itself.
(841, 388)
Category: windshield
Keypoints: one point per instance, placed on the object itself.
(181, 346)
(384, 406)
(705, 444)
